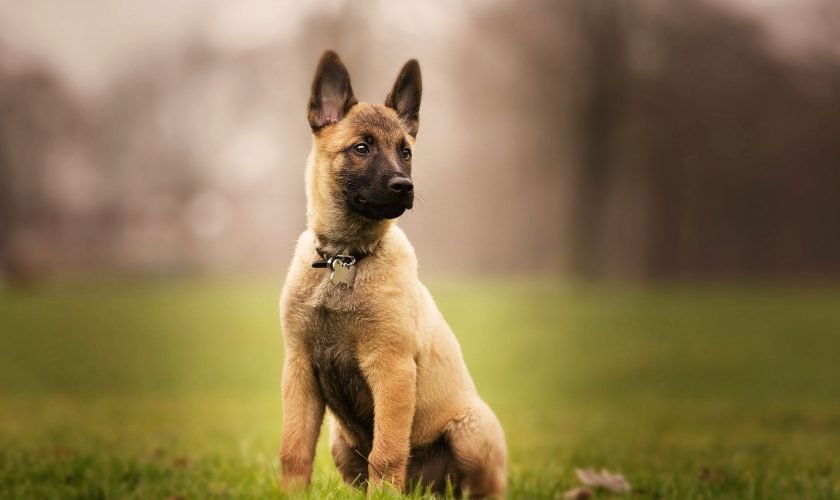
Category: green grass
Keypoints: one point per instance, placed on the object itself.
(171, 390)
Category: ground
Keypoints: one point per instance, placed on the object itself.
(171, 389)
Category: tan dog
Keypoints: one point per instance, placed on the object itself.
(363, 337)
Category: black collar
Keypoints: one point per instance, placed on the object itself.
(348, 259)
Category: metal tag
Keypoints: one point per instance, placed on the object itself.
(342, 273)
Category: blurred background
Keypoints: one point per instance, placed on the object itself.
(677, 163)
(638, 141)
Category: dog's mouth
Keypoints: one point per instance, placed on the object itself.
(379, 211)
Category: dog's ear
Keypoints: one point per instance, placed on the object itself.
(332, 96)
(405, 96)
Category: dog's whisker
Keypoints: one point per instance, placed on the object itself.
(357, 452)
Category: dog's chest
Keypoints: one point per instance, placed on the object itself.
(316, 291)
(339, 377)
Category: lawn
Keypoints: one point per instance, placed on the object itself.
(171, 389)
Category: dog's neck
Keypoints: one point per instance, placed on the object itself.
(350, 234)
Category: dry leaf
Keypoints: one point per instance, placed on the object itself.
(581, 493)
(604, 479)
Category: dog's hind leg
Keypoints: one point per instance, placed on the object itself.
(433, 466)
(352, 466)
(478, 446)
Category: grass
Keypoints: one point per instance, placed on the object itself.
(171, 390)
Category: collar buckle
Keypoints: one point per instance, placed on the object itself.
(327, 262)
(341, 267)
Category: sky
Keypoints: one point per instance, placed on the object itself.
(89, 41)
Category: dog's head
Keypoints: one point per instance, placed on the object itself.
(362, 153)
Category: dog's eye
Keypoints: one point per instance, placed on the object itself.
(406, 153)
(362, 148)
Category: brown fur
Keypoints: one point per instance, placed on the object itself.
(378, 355)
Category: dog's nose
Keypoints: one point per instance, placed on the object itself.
(401, 185)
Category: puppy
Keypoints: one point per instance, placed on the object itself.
(363, 337)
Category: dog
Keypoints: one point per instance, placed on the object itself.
(363, 337)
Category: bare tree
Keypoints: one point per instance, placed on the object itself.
(603, 87)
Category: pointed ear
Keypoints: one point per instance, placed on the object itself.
(332, 96)
(405, 96)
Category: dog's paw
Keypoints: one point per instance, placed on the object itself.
(382, 486)
(293, 484)
(386, 473)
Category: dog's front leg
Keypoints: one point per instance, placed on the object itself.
(303, 412)
(392, 377)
